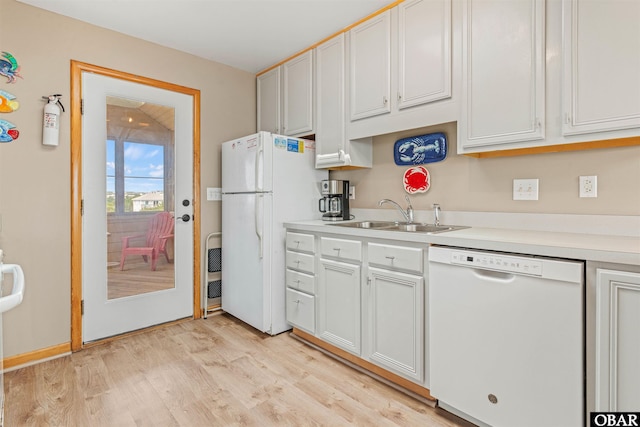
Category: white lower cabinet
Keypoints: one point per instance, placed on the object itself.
(301, 310)
(300, 281)
(338, 302)
(395, 317)
(370, 301)
(617, 382)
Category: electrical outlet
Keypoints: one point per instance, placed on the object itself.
(525, 189)
(352, 192)
(589, 186)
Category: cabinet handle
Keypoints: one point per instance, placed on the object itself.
(297, 242)
(297, 262)
(399, 96)
(567, 118)
(297, 301)
(298, 281)
(390, 257)
(384, 100)
(336, 249)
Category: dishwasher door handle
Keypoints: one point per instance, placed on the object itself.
(494, 276)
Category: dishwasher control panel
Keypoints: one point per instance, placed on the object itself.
(498, 262)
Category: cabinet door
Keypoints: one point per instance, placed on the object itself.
(617, 341)
(370, 67)
(424, 53)
(503, 72)
(338, 300)
(268, 88)
(601, 87)
(298, 94)
(395, 305)
(330, 112)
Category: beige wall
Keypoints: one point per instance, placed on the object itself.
(461, 183)
(34, 179)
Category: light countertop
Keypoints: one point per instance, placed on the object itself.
(581, 246)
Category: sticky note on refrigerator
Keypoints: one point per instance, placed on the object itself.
(295, 146)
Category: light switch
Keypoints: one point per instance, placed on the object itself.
(214, 193)
(525, 189)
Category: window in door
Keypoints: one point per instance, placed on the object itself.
(139, 183)
(135, 177)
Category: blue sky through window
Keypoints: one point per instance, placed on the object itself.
(143, 167)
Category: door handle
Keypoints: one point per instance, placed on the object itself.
(185, 218)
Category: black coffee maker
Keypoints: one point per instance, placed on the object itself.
(334, 204)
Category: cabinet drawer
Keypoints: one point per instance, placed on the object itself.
(301, 281)
(301, 242)
(301, 310)
(400, 257)
(340, 248)
(301, 262)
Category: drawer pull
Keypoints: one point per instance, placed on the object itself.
(297, 262)
(297, 301)
(390, 257)
(297, 242)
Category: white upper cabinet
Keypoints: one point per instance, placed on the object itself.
(503, 72)
(285, 97)
(601, 65)
(400, 69)
(268, 88)
(297, 78)
(333, 149)
(330, 70)
(424, 52)
(370, 67)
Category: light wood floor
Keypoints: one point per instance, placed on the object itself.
(213, 372)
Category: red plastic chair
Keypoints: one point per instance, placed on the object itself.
(159, 232)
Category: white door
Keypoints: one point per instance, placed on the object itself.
(298, 95)
(370, 62)
(137, 151)
(338, 302)
(268, 90)
(395, 307)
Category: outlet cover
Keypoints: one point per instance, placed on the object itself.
(589, 186)
(352, 192)
(525, 189)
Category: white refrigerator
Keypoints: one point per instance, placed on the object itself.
(267, 180)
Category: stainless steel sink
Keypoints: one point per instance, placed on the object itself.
(399, 226)
(366, 224)
(425, 228)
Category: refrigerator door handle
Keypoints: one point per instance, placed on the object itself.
(258, 221)
(259, 156)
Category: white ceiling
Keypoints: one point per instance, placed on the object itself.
(247, 34)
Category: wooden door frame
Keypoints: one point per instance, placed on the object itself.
(77, 68)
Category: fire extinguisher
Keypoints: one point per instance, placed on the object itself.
(51, 124)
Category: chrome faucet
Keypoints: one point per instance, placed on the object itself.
(436, 214)
(408, 215)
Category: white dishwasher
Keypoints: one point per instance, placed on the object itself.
(506, 337)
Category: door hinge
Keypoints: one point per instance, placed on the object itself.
(82, 307)
(82, 106)
(81, 207)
